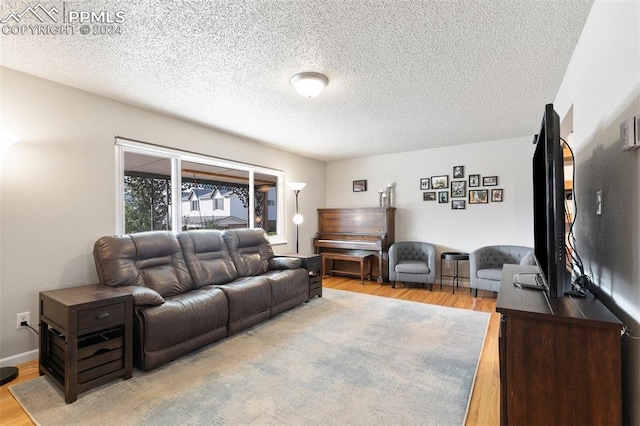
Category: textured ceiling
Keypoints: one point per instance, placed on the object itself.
(403, 75)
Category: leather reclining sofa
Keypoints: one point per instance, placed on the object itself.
(197, 287)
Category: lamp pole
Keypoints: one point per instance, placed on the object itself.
(297, 218)
(296, 221)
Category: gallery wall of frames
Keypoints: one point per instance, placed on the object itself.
(459, 189)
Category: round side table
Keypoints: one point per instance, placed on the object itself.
(456, 257)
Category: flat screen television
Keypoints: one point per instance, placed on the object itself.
(548, 206)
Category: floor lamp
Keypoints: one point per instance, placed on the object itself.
(296, 187)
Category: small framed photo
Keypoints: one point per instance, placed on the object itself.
(496, 195)
(458, 204)
(490, 181)
(429, 196)
(443, 197)
(458, 172)
(359, 185)
(425, 184)
(478, 196)
(458, 189)
(474, 180)
(439, 182)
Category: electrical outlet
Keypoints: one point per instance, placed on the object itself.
(23, 317)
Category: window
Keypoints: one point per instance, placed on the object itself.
(214, 193)
(146, 193)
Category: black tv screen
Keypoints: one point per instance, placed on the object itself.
(548, 206)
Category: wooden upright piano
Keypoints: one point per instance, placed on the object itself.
(358, 230)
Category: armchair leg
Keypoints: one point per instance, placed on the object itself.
(475, 292)
(393, 284)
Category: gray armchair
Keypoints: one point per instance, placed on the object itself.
(413, 262)
(485, 265)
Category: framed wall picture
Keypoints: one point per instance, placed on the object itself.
(496, 195)
(474, 180)
(429, 196)
(443, 197)
(490, 181)
(458, 204)
(439, 182)
(425, 184)
(478, 196)
(360, 185)
(458, 188)
(458, 172)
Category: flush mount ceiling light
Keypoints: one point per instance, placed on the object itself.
(309, 84)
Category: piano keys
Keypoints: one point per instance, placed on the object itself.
(358, 230)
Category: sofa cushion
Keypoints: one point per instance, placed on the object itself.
(207, 257)
(149, 259)
(250, 250)
(183, 317)
(493, 274)
(412, 267)
(249, 301)
(287, 288)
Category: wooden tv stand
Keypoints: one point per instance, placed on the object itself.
(560, 359)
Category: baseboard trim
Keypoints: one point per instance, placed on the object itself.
(19, 358)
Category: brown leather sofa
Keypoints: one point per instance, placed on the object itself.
(197, 287)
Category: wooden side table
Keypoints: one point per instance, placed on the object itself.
(86, 337)
(313, 264)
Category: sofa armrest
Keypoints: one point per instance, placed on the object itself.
(281, 263)
(142, 296)
(475, 265)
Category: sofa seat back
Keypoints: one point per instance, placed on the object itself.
(207, 257)
(250, 251)
(491, 257)
(148, 259)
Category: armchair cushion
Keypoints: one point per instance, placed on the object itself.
(412, 267)
(490, 274)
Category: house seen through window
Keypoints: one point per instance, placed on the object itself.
(214, 194)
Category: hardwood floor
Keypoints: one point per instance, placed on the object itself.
(11, 413)
(484, 409)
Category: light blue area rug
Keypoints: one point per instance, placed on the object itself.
(343, 359)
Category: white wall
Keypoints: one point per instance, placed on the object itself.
(508, 222)
(57, 189)
(602, 83)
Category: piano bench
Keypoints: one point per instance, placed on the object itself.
(364, 260)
